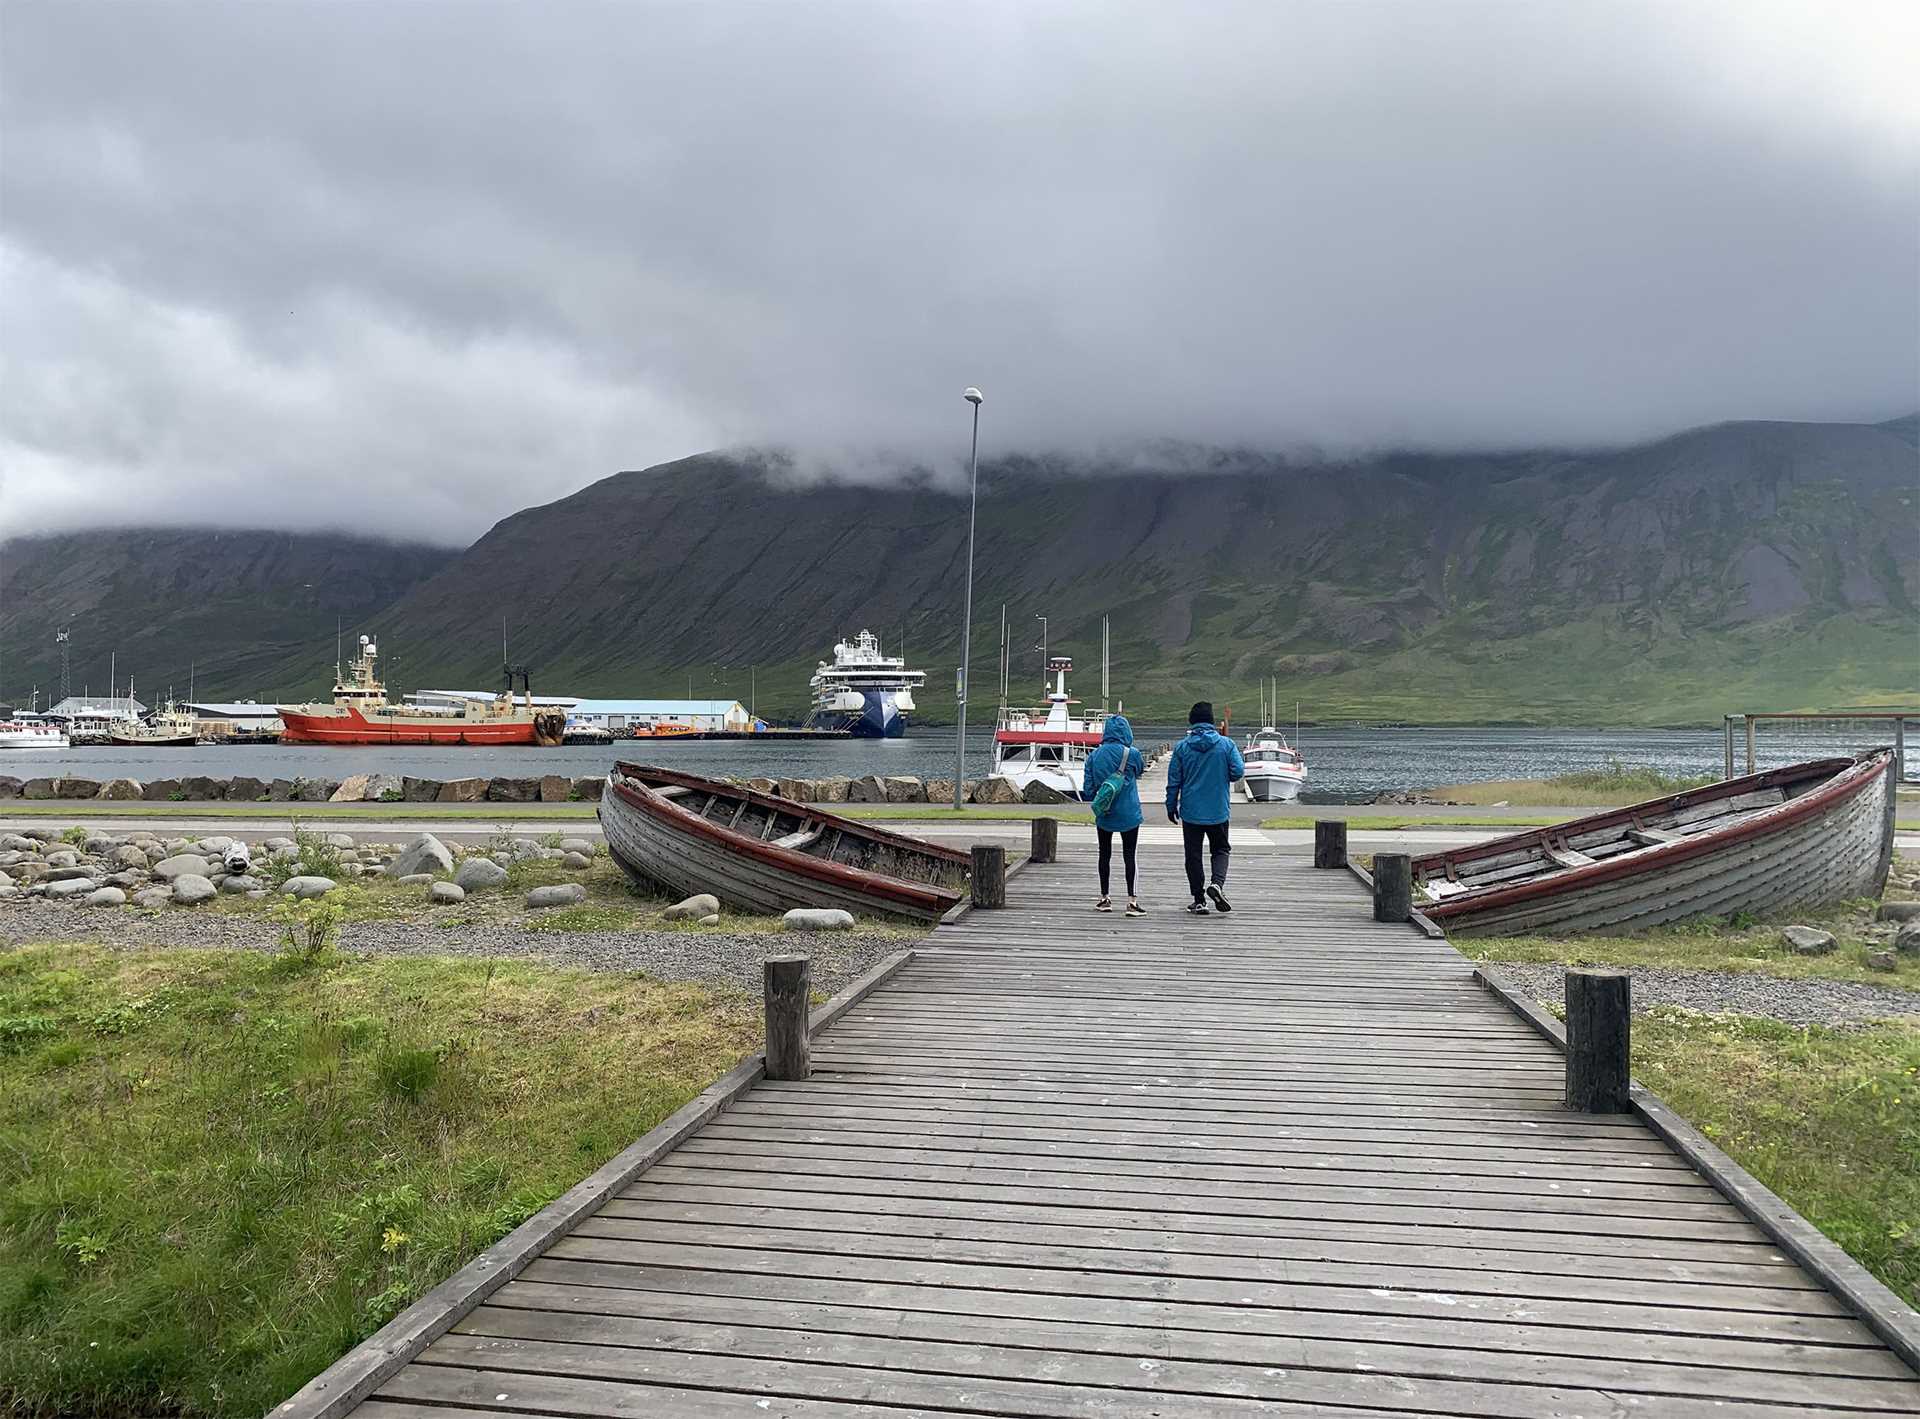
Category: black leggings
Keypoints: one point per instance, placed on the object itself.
(1129, 849)
(1214, 836)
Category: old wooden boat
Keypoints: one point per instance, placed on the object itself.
(1806, 835)
(761, 853)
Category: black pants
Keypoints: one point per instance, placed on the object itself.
(1129, 849)
(1215, 836)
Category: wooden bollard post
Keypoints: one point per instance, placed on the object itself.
(1329, 842)
(1599, 1035)
(1392, 886)
(789, 1052)
(989, 875)
(1046, 840)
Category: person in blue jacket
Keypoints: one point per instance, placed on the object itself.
(1116, 755)
(1203, 766)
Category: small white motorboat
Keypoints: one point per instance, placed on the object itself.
(1275, 771)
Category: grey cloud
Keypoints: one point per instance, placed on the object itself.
(410, 267)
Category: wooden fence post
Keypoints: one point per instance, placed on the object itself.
(1392, 886)
(789, 1052)
(1046, 840)
(989, 875)
(1329, 842)
(1599, 1005)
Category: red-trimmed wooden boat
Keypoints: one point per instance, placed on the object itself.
(1807, 835)
(761, 853)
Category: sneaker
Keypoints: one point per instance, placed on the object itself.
(1199, 907)
(1105, 904)
(1135, 909)
(1220, 903)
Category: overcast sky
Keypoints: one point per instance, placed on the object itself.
(411, 267)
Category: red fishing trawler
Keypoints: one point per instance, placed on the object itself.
(361, 714)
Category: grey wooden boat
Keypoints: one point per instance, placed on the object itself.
(761, 853)
(1807, 835)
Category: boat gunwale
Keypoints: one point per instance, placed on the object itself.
(880, 885)
(1848, 778)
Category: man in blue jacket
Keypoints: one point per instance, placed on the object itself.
(1203, 766)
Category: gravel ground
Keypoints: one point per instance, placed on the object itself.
(715, 957)
(1797, 1002)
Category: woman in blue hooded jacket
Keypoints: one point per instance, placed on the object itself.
(1116, 755)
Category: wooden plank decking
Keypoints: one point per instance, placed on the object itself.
(1285, 1162)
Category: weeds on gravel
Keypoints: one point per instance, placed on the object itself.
(1829, 1119)
(1744, 942)
(217, 1174)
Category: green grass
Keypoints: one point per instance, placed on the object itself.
(1742, 942)
(1615, 786)
(1439, 818)
(331, 812)
(1829, 1119)
(219, 1170)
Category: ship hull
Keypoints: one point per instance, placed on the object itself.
(157, 741)
(878, 718)
(351, 727)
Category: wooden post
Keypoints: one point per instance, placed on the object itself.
(1750, 754)
(1046, 841)
(789, 1052)
(989, 875)
(1899, 751)
(1728, 735)
(1392, 886)
(1598, 1035)
(1329, 842)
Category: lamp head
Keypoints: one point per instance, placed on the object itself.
(972, 396)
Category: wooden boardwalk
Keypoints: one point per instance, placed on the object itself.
(1287, 1162)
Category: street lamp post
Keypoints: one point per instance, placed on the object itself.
(1046, 685)
(973, 397)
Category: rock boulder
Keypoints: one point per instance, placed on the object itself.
(817, 919)
(1898, 911)
(201, 788)
(479, 872)
(1807, 940)
(425, 853)
(1038, 792)
(513, 790)
(106, 897)
(121, 790)
(905, 789)
(419, 790)
(693, 908)
(76, 788)
(995, 790)
(306, 888)
(555, 788)
(247, 790)
(191, 887)
(464, 790)
(588, 790)
(1907, 943)
(185, 864)
(440, 892)
(567, 894)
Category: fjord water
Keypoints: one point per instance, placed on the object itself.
(1346, 763)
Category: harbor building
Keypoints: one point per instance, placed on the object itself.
(620, 716)
(242, 719)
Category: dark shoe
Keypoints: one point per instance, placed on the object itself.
(1199, 907)
(1105, 904)
(1220, 902)
(1135, 909)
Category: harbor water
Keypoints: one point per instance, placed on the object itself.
(1345, 764)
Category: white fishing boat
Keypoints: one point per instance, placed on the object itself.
(1275, 771)
(31, 732)
(1048, 744)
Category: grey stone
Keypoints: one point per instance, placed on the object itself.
(416, 879)
(1898, 911)
(63, 857)
(832, 790)
(578, 861)
(1038, 792)
(905, 789)
(40, 835)
(713, 920)
(202, 789)
(479, 872)
(128, 880)
(306, 888)
(159, 790)
(419, 790)
(565, 895)
(588, 790)
(342, 842)
(940, 790)
(693, 908)
(128, 856)
(513, 790)
(1907, 943)
(1882, 961)
(425, 853)
(121, 789)
(867, 789)
(281, 790)
(995, 790)
(818, 919)
(239, 882)
(71, 887)
(191, 887)
(794, 790)
(106, 897)
(555, 788)
(67, 874)
(152, 897)
(279, 844)
(213, 847)
(1808, 940)
(170, 869)
(246, 790)
(353, 869)
(446, 892)
(76, 788)
(464, 790)
(583, 846)
(314, 790)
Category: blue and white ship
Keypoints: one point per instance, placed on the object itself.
(862, 692)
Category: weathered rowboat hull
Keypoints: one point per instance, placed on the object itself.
(656, 839)
(1830, 840)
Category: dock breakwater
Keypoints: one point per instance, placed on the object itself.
(546, 788)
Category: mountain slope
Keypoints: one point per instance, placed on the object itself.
(234, 610)
(1742, 566)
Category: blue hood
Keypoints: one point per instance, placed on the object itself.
(1202, 737)
(1118, 731)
